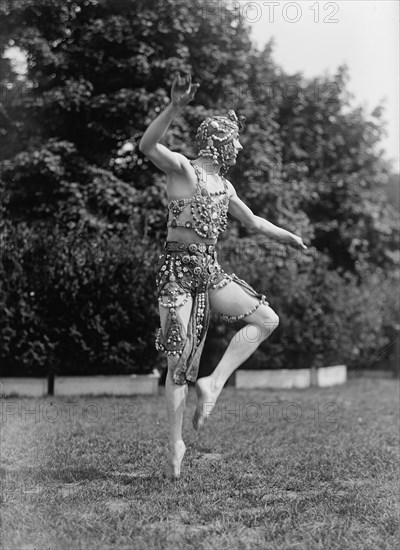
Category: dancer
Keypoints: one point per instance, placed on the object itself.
(190, 281)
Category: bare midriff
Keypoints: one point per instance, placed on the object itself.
(186, 236)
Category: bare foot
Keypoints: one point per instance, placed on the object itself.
(175, 454)
(207, 395)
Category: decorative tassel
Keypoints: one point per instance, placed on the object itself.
(175, 333)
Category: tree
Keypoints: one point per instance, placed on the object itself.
(100, 70)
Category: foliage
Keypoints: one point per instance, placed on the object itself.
(77, 302)
(325, 318)
(98, 72)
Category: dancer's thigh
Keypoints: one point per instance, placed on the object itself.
(233, 300)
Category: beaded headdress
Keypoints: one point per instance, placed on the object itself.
(215, 137)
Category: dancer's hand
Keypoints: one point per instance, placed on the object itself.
(297, 242)
(183, 91)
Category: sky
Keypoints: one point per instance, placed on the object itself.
(317, 37)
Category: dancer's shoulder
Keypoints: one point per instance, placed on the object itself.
(166, 160)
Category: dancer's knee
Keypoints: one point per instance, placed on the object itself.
(172, 362)
(268, 321)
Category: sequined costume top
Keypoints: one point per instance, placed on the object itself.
(205, 212)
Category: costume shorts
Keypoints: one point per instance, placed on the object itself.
(190, 270)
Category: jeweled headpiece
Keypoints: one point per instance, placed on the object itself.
(215, 137)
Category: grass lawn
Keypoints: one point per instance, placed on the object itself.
(288, 469)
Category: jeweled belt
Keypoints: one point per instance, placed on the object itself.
(190, 247)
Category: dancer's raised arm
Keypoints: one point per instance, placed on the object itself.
(182, 93)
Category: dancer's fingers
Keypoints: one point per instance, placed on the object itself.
(194, 90)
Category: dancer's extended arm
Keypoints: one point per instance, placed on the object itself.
(181, 93)
(239, 210)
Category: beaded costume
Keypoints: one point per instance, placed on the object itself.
(187, 270)
(207, 217)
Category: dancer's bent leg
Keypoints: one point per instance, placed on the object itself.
(233, 300)
(175, 395)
